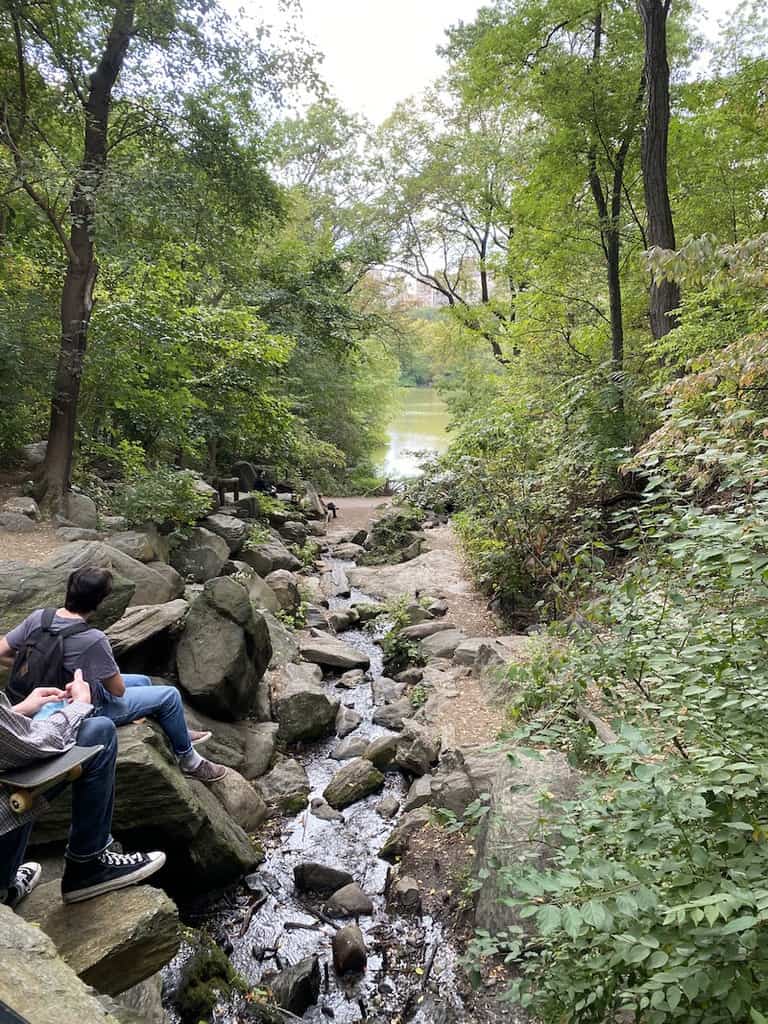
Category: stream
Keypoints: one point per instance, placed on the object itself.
(412, 969)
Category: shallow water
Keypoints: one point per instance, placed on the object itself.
(399, 948)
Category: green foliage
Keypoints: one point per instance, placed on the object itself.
(164, 496)
(257, 535)
(207, 977)
(307, 553)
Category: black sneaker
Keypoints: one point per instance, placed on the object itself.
(27, 877)
(108, 871)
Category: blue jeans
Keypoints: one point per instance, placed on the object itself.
(143, 700)
(93, 798)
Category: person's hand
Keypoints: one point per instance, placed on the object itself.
(40, 696)
(78, 689)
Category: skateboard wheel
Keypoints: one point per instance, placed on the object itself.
(21, 802)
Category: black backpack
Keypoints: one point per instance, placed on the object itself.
(40, 662)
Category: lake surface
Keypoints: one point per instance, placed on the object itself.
(419, 424)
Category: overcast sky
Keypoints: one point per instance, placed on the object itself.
(378, 52)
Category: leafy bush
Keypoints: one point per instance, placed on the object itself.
(163, 496)
(257, 535)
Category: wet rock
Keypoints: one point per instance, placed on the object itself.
(199, 555)
(387, 691)
(393, 716)
(145, 1000)
(405, 895)
(335, 583)
(418, 749)
(231, 530)
(16, 522)
(301, 707)
(397, 842)
(113, 941)
(443, 644)
(340, 620)
(367, 611)
(285, 586)
(419, 794)
(240, 800)
(351, 679)
(352, 746)
(331, 653)
(142, 622)
(356, 780)
(269, 556)
(324, 811)
(22, 507)
(347, 721)
(286, 786)
(297, 988)
(321, 878)
(317, 618)
(424, 629)
(387, 808)
(349, 952)
(410, 676)
(349, 901)
(381, 751)
(348, 552)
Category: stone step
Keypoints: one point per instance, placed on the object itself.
(113, 941)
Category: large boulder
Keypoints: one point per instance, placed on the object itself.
(349, 901)
(171, 577)
(156, 807)
(422, 630)
(37, 984)
(248, 747)
(354, 781)
(113, 941)
(443, 644)
(23, 588)
(232, 530)
(146, 622)
(285, 586)
(285, 646)
(331, 653)
(395, 715)
(335, 583)
(302, 709)
(293, 532)
(269, 556)
(262, 596)
(517, 821)
(199, 555)
(297, 988)
(310, 876)
(150, 586)
(241, 800)
(16, 522)
(80, 510)
(144, 547)
(223, 651)
(418, 749)
(23, 507)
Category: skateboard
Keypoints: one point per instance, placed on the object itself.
(27, 784)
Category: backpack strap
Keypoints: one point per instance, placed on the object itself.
(48, 616)
(79, 626)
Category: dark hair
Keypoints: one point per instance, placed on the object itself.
(87, 588)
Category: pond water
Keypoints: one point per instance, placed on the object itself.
(419, 424)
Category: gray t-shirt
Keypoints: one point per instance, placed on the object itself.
(89, 651)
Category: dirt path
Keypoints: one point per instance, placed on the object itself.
(355, 514)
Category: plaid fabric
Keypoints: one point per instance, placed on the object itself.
(23, 741)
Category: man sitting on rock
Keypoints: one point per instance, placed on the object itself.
(123, 699)
(90, 869)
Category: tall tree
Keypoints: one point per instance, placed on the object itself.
(665, 294)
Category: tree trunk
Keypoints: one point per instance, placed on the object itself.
(665, 297)
(82, 267)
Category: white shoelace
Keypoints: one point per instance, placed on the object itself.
(122, 860)
(24, 876)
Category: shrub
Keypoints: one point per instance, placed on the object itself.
(164, 496)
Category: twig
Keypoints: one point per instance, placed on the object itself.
(430, 965)
(251, 911)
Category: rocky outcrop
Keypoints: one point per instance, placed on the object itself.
(389, 581)
(35, 981)
(232, 531)
(300, 706)
(156, 807)
(261, 595)
(331, 653)
(171, 577)
(145, 622)
(224, 651)
(150, 586)
(112, 942)
(23, 588)
(266, 558)
(285, 646)
(144, 547)
(356, 780)
(516, 828)
(200, 555)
